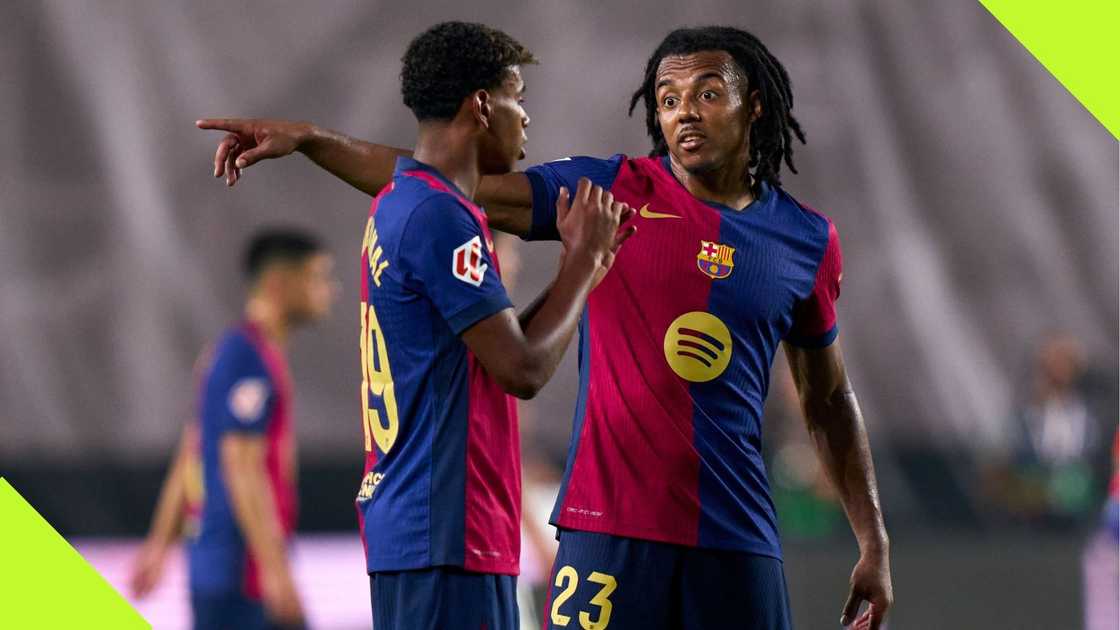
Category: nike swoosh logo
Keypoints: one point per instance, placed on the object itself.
(646, 213)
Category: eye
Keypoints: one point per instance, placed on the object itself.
(669, 102)
(709, 95)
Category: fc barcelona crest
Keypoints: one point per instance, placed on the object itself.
(716, 260)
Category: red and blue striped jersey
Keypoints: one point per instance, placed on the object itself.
(442, 483)
(676, 346)
(246, 389)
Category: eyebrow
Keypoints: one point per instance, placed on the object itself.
(707, 75)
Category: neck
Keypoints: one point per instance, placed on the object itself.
(725, 186)
(269, 317)
(449, 150)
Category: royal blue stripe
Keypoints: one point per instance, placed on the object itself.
(447, 510)
(581, 410)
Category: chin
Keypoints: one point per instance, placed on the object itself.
(697, 164)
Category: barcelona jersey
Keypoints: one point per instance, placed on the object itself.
(246, 389)
(676, 346)
(442, 482)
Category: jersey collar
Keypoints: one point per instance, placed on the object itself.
(759, 201)
(405, 164)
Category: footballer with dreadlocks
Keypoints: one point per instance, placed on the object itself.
(664, 513)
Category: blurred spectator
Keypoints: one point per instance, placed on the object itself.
(540, 483)
(1050, 478)
(1101, 564)
(805, 501)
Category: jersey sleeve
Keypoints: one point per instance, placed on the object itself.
(243, 389)
(814, 318)
(447, 258)
(546, 180)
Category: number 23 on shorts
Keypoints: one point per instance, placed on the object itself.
(568, 580)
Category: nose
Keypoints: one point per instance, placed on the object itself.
(525, 120)
(688, 110)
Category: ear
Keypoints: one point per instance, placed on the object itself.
(481, 107)
(755, 104)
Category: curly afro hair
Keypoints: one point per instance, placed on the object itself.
(772, 135)
(449, 61)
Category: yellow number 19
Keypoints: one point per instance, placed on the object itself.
(377, 379)
(568, 580)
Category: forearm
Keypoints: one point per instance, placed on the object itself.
(255, 512)
(837, 429)
(167, 521)
(529, 312)
(364, 165)
(171, 508)
(551, 320)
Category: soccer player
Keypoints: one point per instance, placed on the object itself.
(665, 515)
(439, 505)
(240, 576)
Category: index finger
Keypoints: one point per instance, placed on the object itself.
(625, 212)
(224, 124)
(583, 190)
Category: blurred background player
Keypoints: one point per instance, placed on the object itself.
(241, 452)
(665, 467)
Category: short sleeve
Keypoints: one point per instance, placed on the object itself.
(546, 180)
(814, 318)
(241, 388)
(447, 257)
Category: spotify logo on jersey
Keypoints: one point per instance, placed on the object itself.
(698, 346)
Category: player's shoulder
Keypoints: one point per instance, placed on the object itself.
(593, 167)
(414, 207)
(412, 193)
(801, 215)
(237, 347)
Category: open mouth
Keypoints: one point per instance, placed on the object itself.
(691, 140)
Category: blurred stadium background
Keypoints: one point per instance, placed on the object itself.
(977, 203)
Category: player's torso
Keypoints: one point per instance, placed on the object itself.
(433, 421)
(678, 343)
(219, 551)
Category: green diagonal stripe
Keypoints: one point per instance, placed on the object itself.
(44, 583)
(1078, 42)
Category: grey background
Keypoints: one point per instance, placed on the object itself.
(975, 198)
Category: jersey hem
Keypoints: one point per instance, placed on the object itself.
(503, 567)
(641, 533)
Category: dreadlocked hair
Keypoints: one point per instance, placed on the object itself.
(771, 136)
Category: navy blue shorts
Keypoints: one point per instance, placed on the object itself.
(224, 611)
(612, 583)
(443, 598)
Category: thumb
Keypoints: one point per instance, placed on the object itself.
(261, 152)
(562, 204)
(851, 607)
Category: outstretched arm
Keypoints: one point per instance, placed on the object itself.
(508, 199)
(836, 427)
